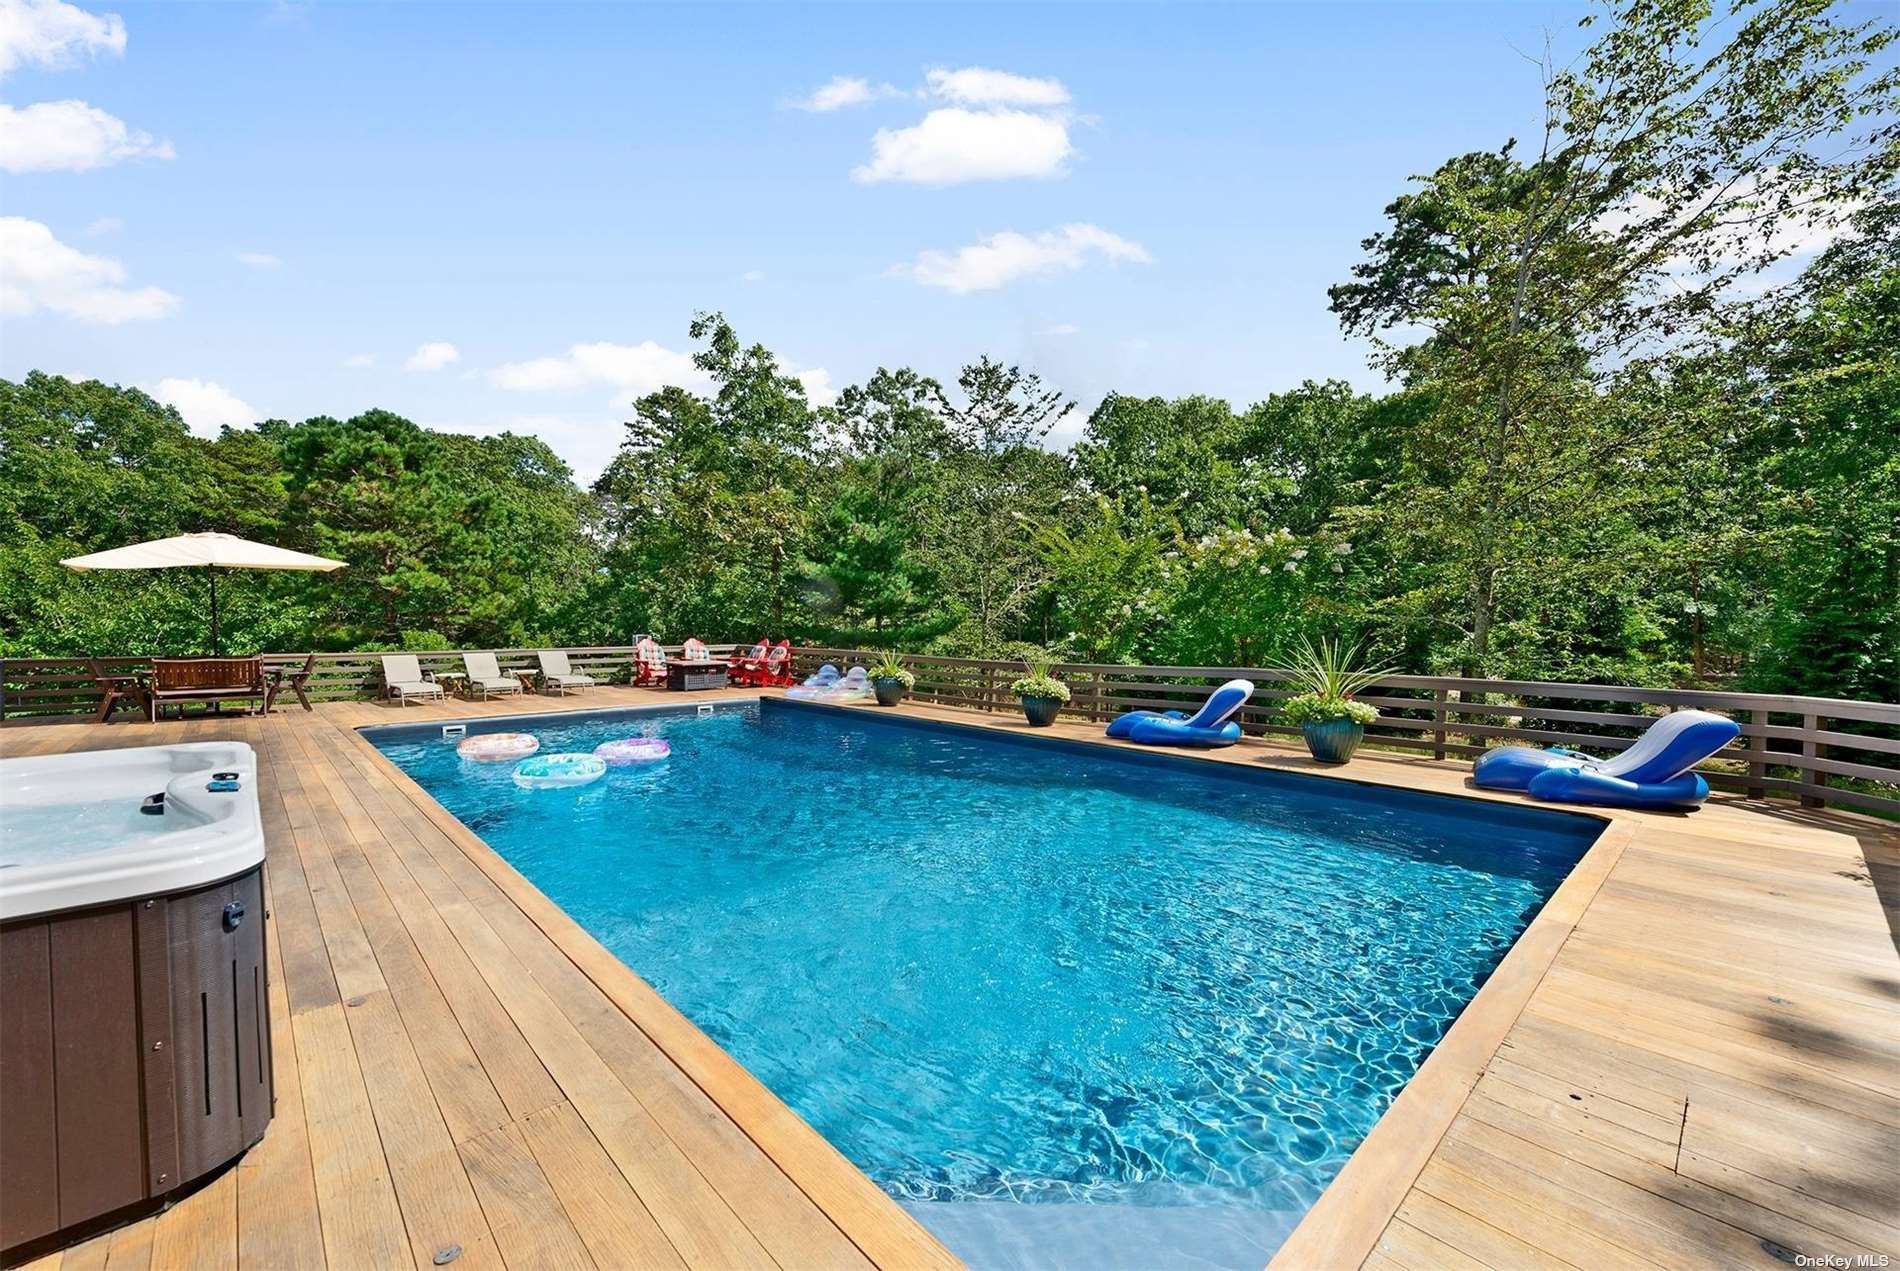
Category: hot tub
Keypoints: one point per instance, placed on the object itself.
(134, 1025)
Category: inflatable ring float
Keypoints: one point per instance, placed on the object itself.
(632, 750)
(497, 747)
(549, 772)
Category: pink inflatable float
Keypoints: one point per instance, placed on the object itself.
(498, 747)
(631, 750)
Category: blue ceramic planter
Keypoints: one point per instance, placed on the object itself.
(1041, 711)
(1332, 740)
(889, 691)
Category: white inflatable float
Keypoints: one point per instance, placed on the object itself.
(631, 750)
(549, 772)
(497, 747)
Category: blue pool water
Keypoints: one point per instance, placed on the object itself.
(1071, 1007)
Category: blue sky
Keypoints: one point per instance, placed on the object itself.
(310, 206)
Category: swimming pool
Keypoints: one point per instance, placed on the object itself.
(1070, 1004)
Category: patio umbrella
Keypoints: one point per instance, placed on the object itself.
(210, 552)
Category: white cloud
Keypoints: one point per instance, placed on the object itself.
(752, 275)
(977, 86)
(1062, 328)
(359, 360)
(37, 272)
(207, 407)
(952, 145)
(588, 441)
(103, 226)
(640, 368)
(841, 91)
(258, 260)
(1000, 259)
(819, 390)
(51, 34)
(70, 136)
(432, 356)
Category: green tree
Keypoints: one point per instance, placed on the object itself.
(868, 579)
(1663, 174)
(995, 485)
(376, 492)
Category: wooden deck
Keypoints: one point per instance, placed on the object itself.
(1692, 1058)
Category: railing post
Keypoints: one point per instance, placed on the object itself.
(1758, 745)
(1439, 697)
(1811, 749)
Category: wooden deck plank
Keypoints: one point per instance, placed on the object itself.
(434, 1195)
(201, 1230)
(530, 1226)
(468, 1101)
(277, 1189)
(609, 1217)
(506, 1059)
(786, 1221)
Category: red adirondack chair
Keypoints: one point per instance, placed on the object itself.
(740, 668)
(777, 669)
(649, 662)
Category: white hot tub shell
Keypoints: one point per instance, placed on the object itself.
(71, 834)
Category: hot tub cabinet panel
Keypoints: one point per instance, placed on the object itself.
(134, 1053)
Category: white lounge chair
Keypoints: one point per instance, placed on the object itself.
(485, 677)
(558, 676)
(403, 679)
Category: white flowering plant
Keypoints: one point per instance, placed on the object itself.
(1040, 680)
(890, 666)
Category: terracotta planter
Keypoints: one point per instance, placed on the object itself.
(1332, 740)
(889, 691)
(1041, 711)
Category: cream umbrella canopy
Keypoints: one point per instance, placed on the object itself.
(210, 552)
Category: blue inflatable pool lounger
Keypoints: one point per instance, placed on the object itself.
(1653, 773)
(1212, 725)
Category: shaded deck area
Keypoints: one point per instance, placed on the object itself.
(1691, 1059)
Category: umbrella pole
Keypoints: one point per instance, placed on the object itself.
(212, 572)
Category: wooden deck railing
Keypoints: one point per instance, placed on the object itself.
(1803, 747)
(1789, 745)
(64, 686)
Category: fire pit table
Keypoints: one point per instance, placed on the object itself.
(684, 677)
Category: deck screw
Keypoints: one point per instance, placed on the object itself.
(150, 904)
(163, 1178)
(158, 1045)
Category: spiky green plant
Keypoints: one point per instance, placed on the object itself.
(890, 666)
(1329, 675)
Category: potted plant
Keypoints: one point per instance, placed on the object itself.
(891, 679)
(1329, 676)
(1042, 694)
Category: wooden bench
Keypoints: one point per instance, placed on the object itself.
(209, 681)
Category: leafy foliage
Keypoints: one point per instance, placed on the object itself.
(1613, 451)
